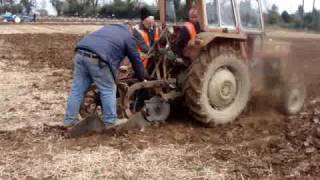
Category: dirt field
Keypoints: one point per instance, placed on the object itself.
(35, 76)
(48, 29)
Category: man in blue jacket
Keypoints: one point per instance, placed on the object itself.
(98, 58)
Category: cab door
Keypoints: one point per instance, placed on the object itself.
(175, 12)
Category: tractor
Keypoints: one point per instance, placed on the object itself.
(230, 60)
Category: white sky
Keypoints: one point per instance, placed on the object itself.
(48, 6)
(290, 5)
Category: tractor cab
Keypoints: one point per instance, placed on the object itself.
(232, 16)
(231, 19)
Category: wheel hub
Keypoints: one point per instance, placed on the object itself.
(226, 90)
(295, 97)
(222, 88)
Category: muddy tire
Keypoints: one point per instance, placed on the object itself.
(218, 87)
(91, 103)
(293, 95)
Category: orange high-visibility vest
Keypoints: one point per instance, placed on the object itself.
(146, 39)
(191, 29)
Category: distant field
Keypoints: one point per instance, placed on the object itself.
(35, 29)
(79, 28)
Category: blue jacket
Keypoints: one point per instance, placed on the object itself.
(112, 44)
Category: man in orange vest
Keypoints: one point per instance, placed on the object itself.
(189, 32)
(146, 34)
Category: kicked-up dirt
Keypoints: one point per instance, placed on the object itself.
(36, 74)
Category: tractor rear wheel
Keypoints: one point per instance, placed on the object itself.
(218, 87)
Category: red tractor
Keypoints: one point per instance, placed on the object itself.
(230, 59)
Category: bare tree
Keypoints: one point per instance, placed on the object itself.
(302, 8)
(302, 12)
(28, 5)
(58, 6)
(43, 4)
(10, 2)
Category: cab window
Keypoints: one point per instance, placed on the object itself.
(250, 14)
(176, 11)
(212, 12)
(227, 13)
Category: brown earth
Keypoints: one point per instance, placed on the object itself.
(47, 29)
(261, 144)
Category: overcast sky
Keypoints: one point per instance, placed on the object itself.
(292, 5)
(289, 5)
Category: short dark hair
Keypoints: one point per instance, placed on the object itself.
(144, 13)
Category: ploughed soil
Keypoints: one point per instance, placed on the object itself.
(36, 74)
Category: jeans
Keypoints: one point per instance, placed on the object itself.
(86, 72)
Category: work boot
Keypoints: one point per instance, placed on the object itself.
(120, 121)
(69, 125)
(116, 123)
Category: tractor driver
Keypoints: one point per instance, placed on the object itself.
(188, 33)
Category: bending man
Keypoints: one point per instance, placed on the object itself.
(98, 58)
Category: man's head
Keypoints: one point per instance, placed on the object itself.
(193, 15)
(146, 18)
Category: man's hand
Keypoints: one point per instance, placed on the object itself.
(144, 55)
(195, 43)
(180, 61)
(191, 43)
(198, 42)
(124, 68)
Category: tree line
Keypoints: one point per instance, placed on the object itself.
(94, 8)
(80, 8)
(298, 20)
(17, 6)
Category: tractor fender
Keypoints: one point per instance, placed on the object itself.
(277, 53)
(207, 37)
(276, 63)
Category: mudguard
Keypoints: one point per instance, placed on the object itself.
(207, 37)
